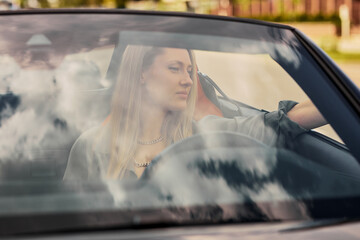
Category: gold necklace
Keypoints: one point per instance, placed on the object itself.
(139, 165)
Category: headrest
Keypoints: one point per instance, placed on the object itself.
(207, 103)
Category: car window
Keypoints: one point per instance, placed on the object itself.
(255, 79)
(78, 90)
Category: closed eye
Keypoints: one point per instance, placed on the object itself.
(174, 69)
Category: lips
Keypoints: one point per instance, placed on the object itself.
(183, 94)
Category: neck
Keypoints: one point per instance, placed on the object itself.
(152, 119)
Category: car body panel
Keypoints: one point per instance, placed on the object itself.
(246, 231)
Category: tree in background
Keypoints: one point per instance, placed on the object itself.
(72, 3)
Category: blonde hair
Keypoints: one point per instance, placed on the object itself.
(126, 103)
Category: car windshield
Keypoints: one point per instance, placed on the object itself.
(162, 119)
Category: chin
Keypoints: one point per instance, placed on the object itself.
(178, 107)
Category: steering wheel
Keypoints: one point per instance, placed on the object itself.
(219, 144)
(220, 167)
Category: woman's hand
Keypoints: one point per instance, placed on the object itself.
(306, 115)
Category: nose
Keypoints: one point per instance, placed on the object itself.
(186, 80)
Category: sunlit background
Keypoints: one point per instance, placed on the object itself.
(333, 24)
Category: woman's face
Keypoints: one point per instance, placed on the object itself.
(167, 81)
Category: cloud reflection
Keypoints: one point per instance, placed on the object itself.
(214, 182)
(42, 110)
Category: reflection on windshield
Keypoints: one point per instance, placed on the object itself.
(178, 127)
(42, 112)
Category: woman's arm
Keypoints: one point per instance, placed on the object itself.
(306, 115)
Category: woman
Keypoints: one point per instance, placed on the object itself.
(153, 106)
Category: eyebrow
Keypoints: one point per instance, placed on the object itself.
(179, 62)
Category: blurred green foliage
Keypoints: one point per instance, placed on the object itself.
(344, 57)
